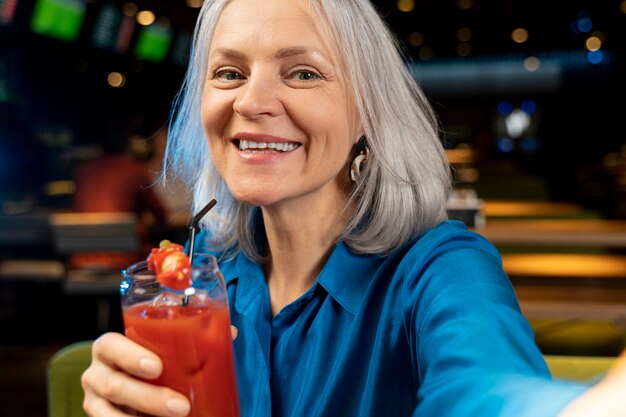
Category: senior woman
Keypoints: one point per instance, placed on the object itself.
(351, 293)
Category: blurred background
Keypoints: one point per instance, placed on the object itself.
(529, 94)
(532, 88)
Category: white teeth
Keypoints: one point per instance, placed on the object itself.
(283, 147)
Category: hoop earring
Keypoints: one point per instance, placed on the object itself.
(359, 160)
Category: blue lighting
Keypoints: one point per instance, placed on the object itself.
(595, 57)
(529, 106)
(124, 286)
(529, 145)
(505, 145)
(505, 107)
(584, 24)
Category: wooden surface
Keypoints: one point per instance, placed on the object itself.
(566, 266)
(556, 232)
(535, 209)
(569, 286)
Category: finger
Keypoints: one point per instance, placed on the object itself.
(96, 407)
(234, 332)
(93, 404)
(115, 387)
(118, 351)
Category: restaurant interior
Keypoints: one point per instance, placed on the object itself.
(529, 98)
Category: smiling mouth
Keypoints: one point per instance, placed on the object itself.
(265, 147)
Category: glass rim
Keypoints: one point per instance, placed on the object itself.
(140, 270)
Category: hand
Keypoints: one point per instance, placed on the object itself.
(605, 399)
(112, 385)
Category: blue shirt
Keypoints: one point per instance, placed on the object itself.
(434, 329)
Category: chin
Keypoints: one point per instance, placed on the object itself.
(253, 197)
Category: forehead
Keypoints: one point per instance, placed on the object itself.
(272, 21)
(267, 10)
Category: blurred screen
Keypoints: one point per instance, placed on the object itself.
(60, 19)
(7, 11)
(112, 29)
(153, 42)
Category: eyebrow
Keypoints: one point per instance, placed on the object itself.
(282, 53)
(299, 50)
(227, 53)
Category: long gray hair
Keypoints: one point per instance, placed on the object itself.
(406, 181)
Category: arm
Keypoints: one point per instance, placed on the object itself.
(475, 352)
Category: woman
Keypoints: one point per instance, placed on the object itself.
(351, 294)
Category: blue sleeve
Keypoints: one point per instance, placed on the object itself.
(474, 351)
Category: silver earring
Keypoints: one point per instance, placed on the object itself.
(359, 160)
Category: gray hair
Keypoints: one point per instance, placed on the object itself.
(405, 184)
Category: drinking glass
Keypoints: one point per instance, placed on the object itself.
(189, 330)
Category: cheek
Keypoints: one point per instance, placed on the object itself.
(214, 117)
(209, 115)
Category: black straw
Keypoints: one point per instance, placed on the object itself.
(193, 227)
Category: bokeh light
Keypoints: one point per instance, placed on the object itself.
(529, 145)
(519, 35)
(505, 144)
(130, 9)
(505, 107)
(584, 25)
(194, 4)
(463, 49)
(532, 63)
(145, 17)
(593, 43)
(595, 57)
(529, 106)
(464, 34)
(464, 4)
(406, 5)
(426, 53)
(416, 39)
(116, 79)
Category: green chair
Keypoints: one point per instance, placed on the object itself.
(65, 393)
(582, 338)
(588, 369)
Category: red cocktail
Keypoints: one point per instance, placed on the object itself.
(190, 331)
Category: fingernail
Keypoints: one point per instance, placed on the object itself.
(149, 366)
(178, 407)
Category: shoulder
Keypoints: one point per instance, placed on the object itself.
(446, 238)
(452, 262)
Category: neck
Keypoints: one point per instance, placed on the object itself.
(301, 236)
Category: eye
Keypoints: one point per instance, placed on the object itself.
(228, 74)
(305, 75)
(302, 73)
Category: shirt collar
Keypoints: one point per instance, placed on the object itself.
(248, 289)
(346, 276)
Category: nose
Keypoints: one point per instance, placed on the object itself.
(258, 97)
